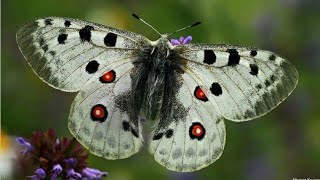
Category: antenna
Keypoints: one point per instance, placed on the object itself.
(192, 25)
(136, 16)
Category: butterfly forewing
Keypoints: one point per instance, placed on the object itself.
(242, 83)
(66, 53)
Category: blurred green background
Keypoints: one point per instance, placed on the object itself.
(284, 144)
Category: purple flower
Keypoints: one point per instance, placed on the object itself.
(38, 174)
(58, 158)
(71, 161)
(93, 174)
(27, 146)
(71, 174)
(56, 170)
(181, 41)
(57, 141)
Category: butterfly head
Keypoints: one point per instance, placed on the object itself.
(166, 45)
(162, 44)
(163, 40)
(173, 42)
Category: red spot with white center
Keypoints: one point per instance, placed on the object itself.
(108, 77)
(199, 94)
(99, 113)
(197, 131)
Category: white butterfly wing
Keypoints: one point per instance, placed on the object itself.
(67, 53)
(178, 146)
(219, 82)
(99, 118)
(242, 83)
(74, 55)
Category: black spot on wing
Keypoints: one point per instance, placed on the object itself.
(92, 67)
(41, 41)
(125, 126)
(234, 57)
(67, 23)
(53, 53)
(258, 86)
(85, 33)
(270, 80)
(110, 40)
(253, 53)
(62, 38)
(157, 136)
(273, 78)
(267, 83)
(169, 133)
(272, 57)
(48, 22)
(254, 69)
(216, 89)
(209, 57)
(45, 47)
(134, 132)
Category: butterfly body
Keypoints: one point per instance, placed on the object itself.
(157, 69)
(186, 90)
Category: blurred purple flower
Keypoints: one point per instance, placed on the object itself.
(93, 173)
(57, 141)
(56, 170)
(71, 161)
(63, 159)
(181, 41)
(27, 146)
(71, 174)
(38, 174)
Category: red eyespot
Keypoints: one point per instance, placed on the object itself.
(199, 94)
(99, 113)
(108, 77)
(196, 131)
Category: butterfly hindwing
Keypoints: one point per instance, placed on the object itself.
(99, 118)
(192, 141)
(66, 53)
(243, 83)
